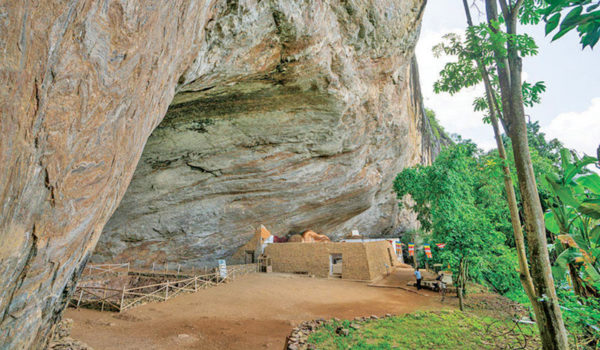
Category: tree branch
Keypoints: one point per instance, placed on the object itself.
(515, 10)
(468, 13)
(505, 10)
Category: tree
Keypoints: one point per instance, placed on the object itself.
(508, 64)
(473, 66)
(583, 15)
(454, 206)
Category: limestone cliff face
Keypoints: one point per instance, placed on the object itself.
(300, 104)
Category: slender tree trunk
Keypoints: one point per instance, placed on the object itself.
(460, 299)
(511, 197)
(549, 319)
(461, 284)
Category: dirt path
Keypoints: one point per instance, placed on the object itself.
(256, 311)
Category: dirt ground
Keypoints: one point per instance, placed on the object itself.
(256, 311)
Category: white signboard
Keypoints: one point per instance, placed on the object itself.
(222, 269)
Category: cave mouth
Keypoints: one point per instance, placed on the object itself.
(229, 158)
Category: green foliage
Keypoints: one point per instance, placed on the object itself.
(438, 129)
(424, 330)
(537, 141)
(479, 44)
(455, 202)
(581, 315)
(575, 213)
(563, 16)
(462, 183)
(545, 156)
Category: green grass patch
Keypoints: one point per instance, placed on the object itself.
(428, 330)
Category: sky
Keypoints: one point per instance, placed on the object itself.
(569, 109)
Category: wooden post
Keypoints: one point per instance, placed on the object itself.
(178, 267)
(167, 292)
(103, 297)
(153, 267)
(80, 295)
(166, 265)
(122, 299)
(195, 283)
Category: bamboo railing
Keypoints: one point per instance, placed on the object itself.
(111, 299)
(105, 268)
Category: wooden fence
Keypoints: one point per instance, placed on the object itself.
(111, 299)
(105, 268)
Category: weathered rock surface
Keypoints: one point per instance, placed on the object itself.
(86, 82)
(61, 339)
(313, 144)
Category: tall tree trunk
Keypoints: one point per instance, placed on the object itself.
(511, 198)
(549, 319)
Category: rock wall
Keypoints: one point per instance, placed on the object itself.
(86, 82)
(293, 156)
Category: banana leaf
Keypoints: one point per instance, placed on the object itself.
(595, 235)
(551, 223)
(590, 207)
(590, 182)
(564, 193)
(566, 257)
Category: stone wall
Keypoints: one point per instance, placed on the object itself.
(381, 258)
(360, 261)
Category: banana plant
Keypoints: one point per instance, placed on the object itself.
(574, 217)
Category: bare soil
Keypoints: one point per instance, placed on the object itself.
(256, 311)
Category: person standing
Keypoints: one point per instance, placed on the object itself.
(419, 278)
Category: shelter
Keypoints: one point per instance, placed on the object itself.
(349, 260)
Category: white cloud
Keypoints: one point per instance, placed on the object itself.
(578, 130)
(455, 112)
(557, 113)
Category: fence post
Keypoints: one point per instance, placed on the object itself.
(167, 292)
(103, 297)
(153, 267)
(178, 267)
(166, 265)
(80, 295)
(128, 268)
(195, 283)
(122, 299)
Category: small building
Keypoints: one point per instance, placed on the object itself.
(396, 243)
(349, 260)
